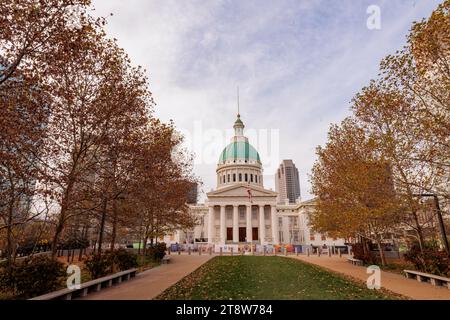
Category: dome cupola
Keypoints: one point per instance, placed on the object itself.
(239, 161)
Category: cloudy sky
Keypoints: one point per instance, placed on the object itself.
(297, 63)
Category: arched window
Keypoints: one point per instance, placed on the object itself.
(246, 177)
(240, 177)
(251, 177)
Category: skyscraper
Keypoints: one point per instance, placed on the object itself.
(193, 193)
(287, 182)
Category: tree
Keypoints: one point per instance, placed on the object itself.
(420, 73)
(354, 187)
(402, 117)
(22, 103)
(34, 34)
(86, 142)
(161, 183)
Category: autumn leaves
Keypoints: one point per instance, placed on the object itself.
(376, 163)
(79, 141)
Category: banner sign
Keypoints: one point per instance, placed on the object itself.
(226, 248)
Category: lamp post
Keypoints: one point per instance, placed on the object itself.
(440, 219)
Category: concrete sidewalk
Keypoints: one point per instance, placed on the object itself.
(150, 283)
(391, 281)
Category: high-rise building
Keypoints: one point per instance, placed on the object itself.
(193, 193)
(287, 182)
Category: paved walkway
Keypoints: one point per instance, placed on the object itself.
(150, 283)
(391, 281)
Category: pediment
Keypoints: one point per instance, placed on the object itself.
(240, 190)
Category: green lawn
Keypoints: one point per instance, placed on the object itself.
(247, 277)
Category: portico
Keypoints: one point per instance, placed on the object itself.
(233, 218)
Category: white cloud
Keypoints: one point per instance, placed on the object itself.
(297, 64)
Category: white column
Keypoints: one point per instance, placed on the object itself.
(223, 226)
(235, 224)
(249, 223)
(275, 239)
(262, 225)
(211, 224)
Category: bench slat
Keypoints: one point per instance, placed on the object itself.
(427, 275)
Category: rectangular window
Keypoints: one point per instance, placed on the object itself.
(241, 213)
(234, 177)
(295, 235)
(228, 177)
(256, 179)
(324, 238)
(280, 234)
(246, 177)
(240, 177)
(251, 177)
(312, 238)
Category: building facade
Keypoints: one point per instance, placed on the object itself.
(241, 211)
(287, 182)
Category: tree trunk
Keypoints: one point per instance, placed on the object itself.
(102, 225)
(144, 245)
(382, 256)
(114, 225)
(58, 231)
(62, 217)
(10, 245)
(10, 240)
(419, 231)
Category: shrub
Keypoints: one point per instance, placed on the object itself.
(100, 265)
(109, 262)
(32, 277)
(125, 259)
(157, 251)
(429, 261)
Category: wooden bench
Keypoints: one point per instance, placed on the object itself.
(355, 261)
(165, 260)
(90, 286)
(425, 277)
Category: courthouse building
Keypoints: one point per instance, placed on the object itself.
(241, 210)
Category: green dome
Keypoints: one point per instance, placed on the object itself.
(239, 150)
